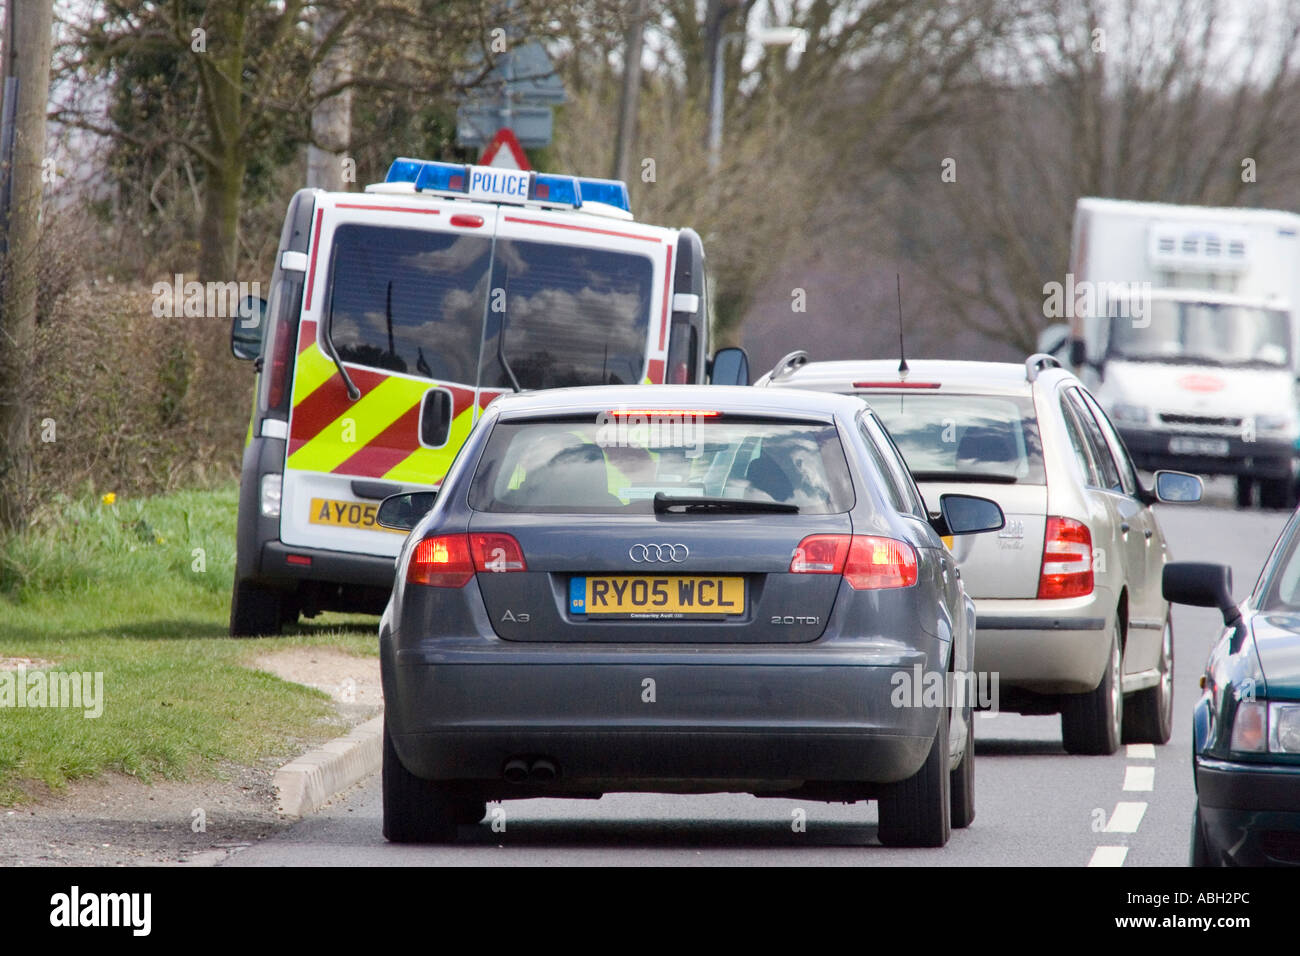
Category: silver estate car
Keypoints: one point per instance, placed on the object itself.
(1069, 607)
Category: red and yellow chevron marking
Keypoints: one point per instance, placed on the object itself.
(376, 436)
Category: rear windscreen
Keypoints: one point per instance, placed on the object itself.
(965, 437)
(409, 300)
(618, 464)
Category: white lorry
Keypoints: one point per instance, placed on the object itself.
(1184, 323)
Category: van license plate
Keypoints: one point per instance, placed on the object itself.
(346, 514)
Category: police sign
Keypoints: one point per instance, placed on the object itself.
(495, 185)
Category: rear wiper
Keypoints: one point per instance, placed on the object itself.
(501, 348)
(964, 476)
(353, 392)
(692, 504)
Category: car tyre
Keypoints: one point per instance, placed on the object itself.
(1149, 713)
(1276, 494)
(417, 810)
(1245, 491)
(1198, 852)
(1092, 723)
(916, 812)
(254, 611)
(962, 782)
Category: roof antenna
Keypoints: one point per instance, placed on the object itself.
(902, 355)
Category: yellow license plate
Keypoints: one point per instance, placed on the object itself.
(346, 514)
(650, 597)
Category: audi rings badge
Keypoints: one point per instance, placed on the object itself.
(658, 553)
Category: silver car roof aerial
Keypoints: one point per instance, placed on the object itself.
(1038, 362)
(788, 365)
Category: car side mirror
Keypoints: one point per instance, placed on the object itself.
(403, 512)
(1201, 585)
(1177, 486)
(967, 514)
(248, 328)
(730, 366)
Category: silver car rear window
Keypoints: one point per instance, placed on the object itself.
(617, 464)
(947, 437)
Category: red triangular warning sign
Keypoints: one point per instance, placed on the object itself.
(511, 157)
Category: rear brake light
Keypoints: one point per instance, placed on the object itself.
(279, 367)
(496, 552)
(899, 384)
(820, 554)
(867, 561)
(441, 562)
(1067, 559)
(876, 562)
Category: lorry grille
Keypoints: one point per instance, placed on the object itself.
(1200, 421)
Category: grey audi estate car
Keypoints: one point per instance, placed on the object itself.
(678, 589)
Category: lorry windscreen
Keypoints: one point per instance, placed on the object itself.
(409, 300)
(571, 316)
(1204, 333)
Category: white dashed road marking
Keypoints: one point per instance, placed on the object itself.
(1126, 818)
(1139, 778)
(1141, 751)
(1108, 856)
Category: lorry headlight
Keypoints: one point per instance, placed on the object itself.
(272, 486)
(1129, 414)
(1273, 423)
(1284, 728)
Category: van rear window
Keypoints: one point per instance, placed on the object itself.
(409, 300)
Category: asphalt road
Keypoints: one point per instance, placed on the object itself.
(1035, 805)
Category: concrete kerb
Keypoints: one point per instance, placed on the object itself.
(305, 783)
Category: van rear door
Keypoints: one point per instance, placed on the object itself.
(402, 290)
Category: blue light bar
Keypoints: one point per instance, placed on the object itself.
(562, 190)
(548, 188)
(609, 191)
(403, 170)
(442, 177)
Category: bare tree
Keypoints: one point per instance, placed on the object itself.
(1162, 101)
(29, 62)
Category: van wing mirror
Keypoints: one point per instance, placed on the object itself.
(730, 366)
(248, 328)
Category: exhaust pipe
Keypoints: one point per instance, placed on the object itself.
(543, 771)
(516, 771)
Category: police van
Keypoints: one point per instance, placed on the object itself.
(396, 315)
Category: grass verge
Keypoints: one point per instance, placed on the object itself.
(140, 593)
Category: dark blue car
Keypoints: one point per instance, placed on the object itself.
(1246, 724)
(679, 589)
